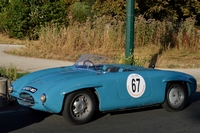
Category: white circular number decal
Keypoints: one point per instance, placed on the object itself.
(135, 85)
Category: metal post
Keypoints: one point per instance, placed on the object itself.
(3, 92)
(129, 29)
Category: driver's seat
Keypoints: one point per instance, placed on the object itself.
(112, 69)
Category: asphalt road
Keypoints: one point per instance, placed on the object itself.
(149, 120)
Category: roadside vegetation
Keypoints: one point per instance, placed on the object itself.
(155, 42)
(11, 72)
(167, 38)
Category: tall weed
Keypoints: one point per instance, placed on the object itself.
(90, 37)
(11, 72)
(188, 36)
(107, 37)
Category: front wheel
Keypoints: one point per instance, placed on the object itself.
(79, 107)
(175, 99)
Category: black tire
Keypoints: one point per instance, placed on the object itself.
(176, 96)
(79, 107)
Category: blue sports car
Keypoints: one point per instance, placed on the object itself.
(96, 83)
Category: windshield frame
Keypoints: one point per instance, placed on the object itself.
(92, 62)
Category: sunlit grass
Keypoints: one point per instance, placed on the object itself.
(4, 39)
(11, 72)
(156, 42)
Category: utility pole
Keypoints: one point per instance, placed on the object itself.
(129, 29)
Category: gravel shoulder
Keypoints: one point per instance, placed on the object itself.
(27, 63)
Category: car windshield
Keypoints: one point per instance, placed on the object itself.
(91, 61)
(102, 64)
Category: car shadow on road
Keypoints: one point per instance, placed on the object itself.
(193, 107)
(142, 109)
(17, 119)
(192, 99)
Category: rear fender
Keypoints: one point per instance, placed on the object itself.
(177, 78)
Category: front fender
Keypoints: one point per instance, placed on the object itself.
(79, 87)
(55, 98)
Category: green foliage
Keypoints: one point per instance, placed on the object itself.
(136, 61)
(140, 62)
(113, 8)
(131, 60)
(81, 11)
(165, 9)
(16, 21)
(3, 8)
(88, 2)
(11, 73)
(3, 4)
(23, 18)
(157, 9)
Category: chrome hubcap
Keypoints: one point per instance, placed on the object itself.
(176, 96)
(81, 106)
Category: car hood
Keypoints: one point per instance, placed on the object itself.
(58, 76)
(47, 78)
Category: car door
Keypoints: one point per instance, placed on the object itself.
(134, 86)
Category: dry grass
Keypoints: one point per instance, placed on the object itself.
(153, 44)
(181, 58)
(69, 43)
(4, 39)
(171, 58)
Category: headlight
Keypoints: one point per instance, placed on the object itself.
(43, 98)
(10, 89)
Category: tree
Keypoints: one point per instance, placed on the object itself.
(165, 9)
(112, 8)
(156, 9)
(23, 18)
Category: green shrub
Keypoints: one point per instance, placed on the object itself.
(3, 8)
(23, 18)
(81, 11)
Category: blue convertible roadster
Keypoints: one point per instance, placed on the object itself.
(95, 83)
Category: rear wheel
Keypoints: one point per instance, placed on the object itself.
(79, 107)
(175, 98)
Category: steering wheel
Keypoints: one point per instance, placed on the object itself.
(88, 63)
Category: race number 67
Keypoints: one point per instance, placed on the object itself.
(135, 85)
